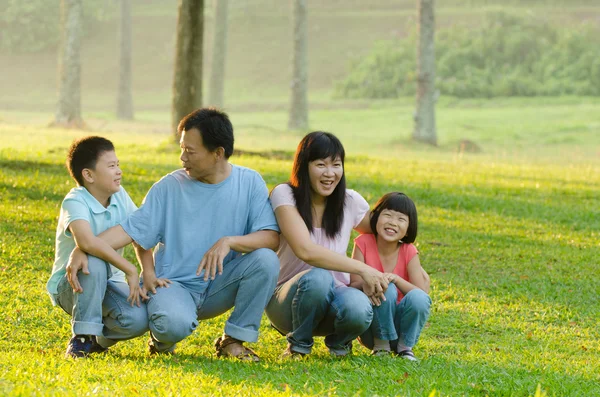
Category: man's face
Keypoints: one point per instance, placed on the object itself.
(196, 159)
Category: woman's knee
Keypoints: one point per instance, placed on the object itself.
(356, 309)
(317, 282)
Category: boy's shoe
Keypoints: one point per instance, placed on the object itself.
(82, 346)
(408, 355)
(153, 347)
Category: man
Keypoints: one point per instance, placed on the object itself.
(202, 218)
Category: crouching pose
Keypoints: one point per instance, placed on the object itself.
(104, 301)
(399, 320)
(215, 234)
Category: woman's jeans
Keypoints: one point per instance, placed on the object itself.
(309, 304)
(398, 322)
(102, 308)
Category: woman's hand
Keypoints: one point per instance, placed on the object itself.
(375, 284)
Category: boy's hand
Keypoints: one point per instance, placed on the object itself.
(134, 289)
(151, 282)
(78, 260)
(212, 262)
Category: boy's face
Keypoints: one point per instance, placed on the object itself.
(106, 177)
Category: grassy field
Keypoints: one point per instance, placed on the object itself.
(510, 237)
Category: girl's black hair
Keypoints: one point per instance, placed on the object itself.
(314, 146)
(399, 202)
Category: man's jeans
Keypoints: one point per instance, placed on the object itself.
(246, 284)
(398, 322)
(310, 305)
(102, 308)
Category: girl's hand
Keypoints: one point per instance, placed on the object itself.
(151, 282)
(391, 277)
(134, 289)
(375, 285)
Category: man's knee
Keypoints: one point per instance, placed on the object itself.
(171, 327)
(267, 262)
(135, 322)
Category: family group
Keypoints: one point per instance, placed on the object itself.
(210, 237)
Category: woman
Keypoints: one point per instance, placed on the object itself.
(316, 214)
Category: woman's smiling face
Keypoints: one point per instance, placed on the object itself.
(324, 175)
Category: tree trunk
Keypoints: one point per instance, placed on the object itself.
(425, 130)
(68, 112)
(219, 52)
(125, 100)
(187, 81)
(299, 103)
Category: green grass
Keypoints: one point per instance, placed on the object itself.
(510, 239)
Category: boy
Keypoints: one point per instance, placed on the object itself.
(103, 307)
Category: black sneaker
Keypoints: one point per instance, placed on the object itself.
(82, 346)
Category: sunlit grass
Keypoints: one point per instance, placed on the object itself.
(511, 243)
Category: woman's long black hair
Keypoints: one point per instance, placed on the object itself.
(315, 146)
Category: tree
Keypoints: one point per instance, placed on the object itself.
(219, 52)
(124, 95)
(425, 130)
(68, 112)
(298, 119)
(187, 81)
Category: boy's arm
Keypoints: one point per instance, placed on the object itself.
(96, 246)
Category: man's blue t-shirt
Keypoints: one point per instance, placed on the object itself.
(186, 217)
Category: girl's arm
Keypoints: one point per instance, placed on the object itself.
(417, 275)
(297, 235)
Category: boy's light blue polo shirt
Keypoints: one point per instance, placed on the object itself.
(79, 204)
(186, 217)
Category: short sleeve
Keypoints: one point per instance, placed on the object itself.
(146, 224)
(73, 210)
(261, 215)
(129, 204)
(282, 195)
(410, 252)
(360, 207)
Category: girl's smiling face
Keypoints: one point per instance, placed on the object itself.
(392, 225)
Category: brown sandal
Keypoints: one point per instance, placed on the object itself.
(230, 347)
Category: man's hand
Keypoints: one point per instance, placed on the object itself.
(375, 285)
(78, 260)
(212, 262)
(151, 282)
(134, 288)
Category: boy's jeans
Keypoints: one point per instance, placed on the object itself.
(310, 305)
(246, 284)
(102, 308)
(398, 322)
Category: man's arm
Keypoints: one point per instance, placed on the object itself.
(212, 261)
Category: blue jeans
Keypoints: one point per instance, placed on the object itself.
(398, 322)
(246, 284)
(310, 305)
(102, 308)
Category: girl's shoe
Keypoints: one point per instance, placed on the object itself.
(407, 354)
(380, 353)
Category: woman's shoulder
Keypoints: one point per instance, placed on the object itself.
(282, 195)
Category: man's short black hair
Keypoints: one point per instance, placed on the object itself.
(214, 126)
(398, 202)
(84, 153)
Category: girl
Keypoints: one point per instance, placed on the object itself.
(316, 214)
(398, 321)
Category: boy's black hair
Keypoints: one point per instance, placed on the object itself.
(399, 202)
(214, 126)
(84, 153)
(314, 146)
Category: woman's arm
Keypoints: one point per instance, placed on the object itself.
(297, 235)
(355, 280)
(364, 227)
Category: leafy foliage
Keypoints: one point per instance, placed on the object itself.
(508, 55)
